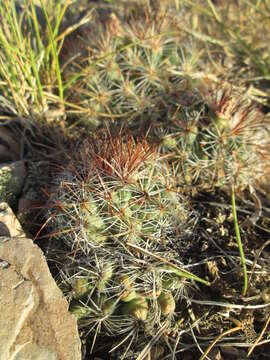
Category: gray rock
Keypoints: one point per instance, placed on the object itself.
(9, 225)
(12, 178)
(34, 320)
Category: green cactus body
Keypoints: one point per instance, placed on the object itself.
(138, 307)
(79, 310)
(172, 282)
(169, 142)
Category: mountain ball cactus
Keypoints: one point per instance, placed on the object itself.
(117, 208)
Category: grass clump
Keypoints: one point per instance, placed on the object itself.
(234, 34)
(30, 75)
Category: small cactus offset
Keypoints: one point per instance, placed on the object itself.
(225, 142)
(118, 209)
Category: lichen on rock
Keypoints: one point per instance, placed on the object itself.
(11, 181)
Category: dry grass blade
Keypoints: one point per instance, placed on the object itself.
(257, 258)
(259, 337)
(230, 306)
(146, 351)
(225, 333)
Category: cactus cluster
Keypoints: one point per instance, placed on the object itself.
(122, 204)
(142, 75)
(117, 207)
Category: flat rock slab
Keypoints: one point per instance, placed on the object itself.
(34, 320)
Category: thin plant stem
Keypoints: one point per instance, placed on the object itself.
(259, 337)
(36, 26)
(239, 243)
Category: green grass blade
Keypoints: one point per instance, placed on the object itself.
(54, 52)
(214, 11)
(37, 78)
(171, 267)
(12, 21)
(36, 26)
(239, 243)
(60, 15)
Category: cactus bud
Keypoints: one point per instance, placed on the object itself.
(167, 303)
(137, 307)
(79, 310)
(80, 287)
(128, 295)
